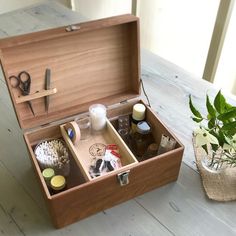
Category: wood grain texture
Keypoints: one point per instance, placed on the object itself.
(84, 159)
(79, 202)
(186, 211)
(97, 63)
(37, 95)
(98, 195)
(7, 224)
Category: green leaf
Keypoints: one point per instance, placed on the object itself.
(228, 115)
(221, 138)
(228, 106)
(220, 103)
(198, 120)
(211, 123)
(229, 128)
(193, 109)
(211, 110)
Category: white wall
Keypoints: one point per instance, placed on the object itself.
(11, 5)
(226, 71)
(95, 9)
(179, 31)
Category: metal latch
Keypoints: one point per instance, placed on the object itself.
(70, 28)
(123, 177)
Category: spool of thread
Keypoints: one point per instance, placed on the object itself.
(73, 132)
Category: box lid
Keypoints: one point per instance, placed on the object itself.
(91, 62)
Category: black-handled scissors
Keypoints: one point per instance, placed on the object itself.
(23, 82)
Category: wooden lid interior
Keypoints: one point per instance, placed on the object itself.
(98, 63)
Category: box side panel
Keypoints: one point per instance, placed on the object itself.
(99, 195)
(86, 198)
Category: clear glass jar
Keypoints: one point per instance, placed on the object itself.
(124, 134)
(84, 125)
(212, 161)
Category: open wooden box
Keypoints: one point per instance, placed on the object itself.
(93, 62)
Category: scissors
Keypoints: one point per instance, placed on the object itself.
(23, 82)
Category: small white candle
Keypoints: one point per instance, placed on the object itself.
(97, 114)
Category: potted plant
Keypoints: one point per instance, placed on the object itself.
(216, 133)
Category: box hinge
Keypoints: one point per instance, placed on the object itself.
(45, 125)
(123, 177)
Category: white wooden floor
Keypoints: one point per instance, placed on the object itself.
(180, 208)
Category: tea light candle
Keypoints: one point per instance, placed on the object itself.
(97, 114)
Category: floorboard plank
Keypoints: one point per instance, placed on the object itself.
(7, 224)
(49, 14)
(184, 209)
(126, 219)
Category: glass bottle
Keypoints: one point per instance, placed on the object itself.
(141, 139)
(151, 151)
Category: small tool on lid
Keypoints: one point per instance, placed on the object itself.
(47, 87)
(23, 82)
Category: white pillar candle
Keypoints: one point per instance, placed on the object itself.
(97, 114)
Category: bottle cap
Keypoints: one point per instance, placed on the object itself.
(139, 111)
(58, 182)
(48, 173)
(143, 127)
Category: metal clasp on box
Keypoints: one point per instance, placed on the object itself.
(123, 177)
(71, 28)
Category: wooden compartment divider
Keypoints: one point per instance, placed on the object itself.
(81, 154)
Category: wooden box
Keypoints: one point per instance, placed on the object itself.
(93, 62)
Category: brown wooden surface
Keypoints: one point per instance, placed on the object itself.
(99, 195)
(83, 158)
(61, 31)
(102, 65)
(85, 198)
(36, 95)
(99, 63)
